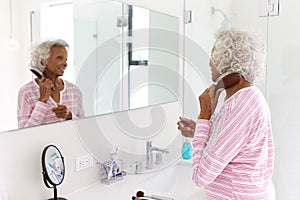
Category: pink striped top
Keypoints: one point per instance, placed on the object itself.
(233, 156)
(33, 112)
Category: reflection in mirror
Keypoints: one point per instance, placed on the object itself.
(43, 25)
(117, 66)
(128, 54)
(161, 37)
(53, 168)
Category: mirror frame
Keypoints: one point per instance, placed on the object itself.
(46, 176)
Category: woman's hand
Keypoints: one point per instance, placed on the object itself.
(62, 112)
(45, 88)
(186, 126)
(208, 102)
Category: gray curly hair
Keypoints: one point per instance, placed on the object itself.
(42, 52)
(239, 51)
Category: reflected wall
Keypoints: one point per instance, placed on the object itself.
(126, 57)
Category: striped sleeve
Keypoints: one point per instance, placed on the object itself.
(80, 112)
(212, 155)
(72, 98)
(206, 167)
(30, 114)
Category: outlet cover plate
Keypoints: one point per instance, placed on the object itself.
(84, 162)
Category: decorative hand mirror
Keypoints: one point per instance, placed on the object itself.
(53, 169)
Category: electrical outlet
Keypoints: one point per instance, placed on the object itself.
(84, 162)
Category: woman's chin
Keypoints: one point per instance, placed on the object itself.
(60, 73)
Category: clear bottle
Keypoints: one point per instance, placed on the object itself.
(187, 149)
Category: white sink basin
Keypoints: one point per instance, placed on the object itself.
(174, 181)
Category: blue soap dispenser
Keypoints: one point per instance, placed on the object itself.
(187, 149)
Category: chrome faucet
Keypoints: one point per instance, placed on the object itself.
(149, 150)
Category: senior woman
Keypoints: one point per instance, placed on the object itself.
(233, 153)
(49, 98)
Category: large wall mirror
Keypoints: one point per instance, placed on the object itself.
(121, 56)
(125, 56)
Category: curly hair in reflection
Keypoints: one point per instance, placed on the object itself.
(42, 52)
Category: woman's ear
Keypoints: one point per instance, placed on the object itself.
(43, 62)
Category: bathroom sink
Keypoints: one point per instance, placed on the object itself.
(174, 182)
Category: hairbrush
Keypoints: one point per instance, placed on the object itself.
(39, 75)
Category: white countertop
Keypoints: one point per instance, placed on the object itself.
(131, 183)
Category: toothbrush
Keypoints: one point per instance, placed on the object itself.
(110, 172)
(113, 162)
(104, 167)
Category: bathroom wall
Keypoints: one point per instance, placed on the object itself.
(21, 169)
(283, 96)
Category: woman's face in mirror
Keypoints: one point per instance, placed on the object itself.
(57, 62)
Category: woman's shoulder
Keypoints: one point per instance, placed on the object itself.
(31, 85)
(247, 92)
(247, 96)
(70, 85)
(253, 91)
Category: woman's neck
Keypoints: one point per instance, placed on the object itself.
(240, 85)
(58, 83)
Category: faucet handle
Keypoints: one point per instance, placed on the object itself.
(138, 167)
(149, 143)
(158, 158)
